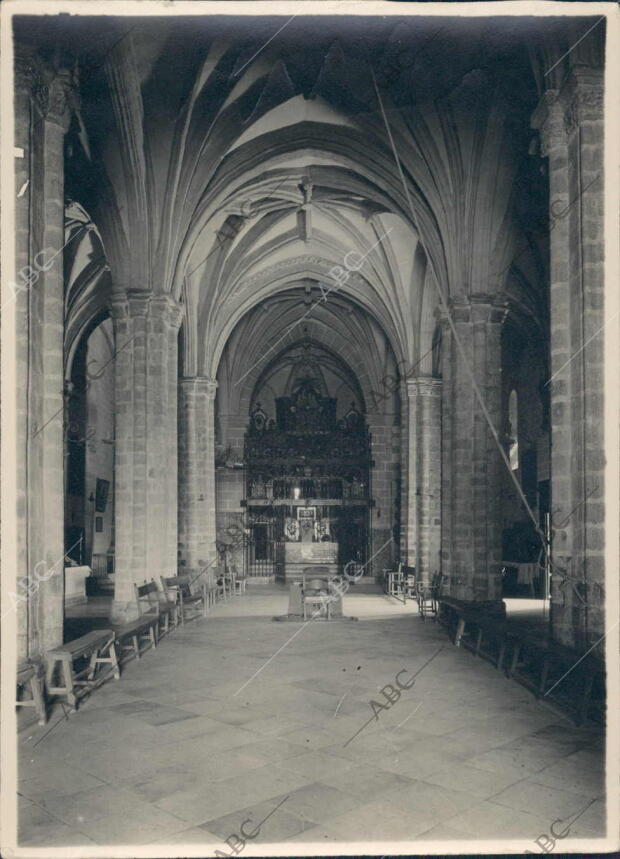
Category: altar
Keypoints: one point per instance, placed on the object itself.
(75, 585)
(297, 556)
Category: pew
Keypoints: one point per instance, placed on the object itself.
(130, 635)
(30, 674)
(99, 648)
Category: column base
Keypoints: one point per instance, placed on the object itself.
(122, 612)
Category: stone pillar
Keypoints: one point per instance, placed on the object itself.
(383, 549)
(411, 460)
(172, 449)
(428, 490)
(197, 520)
(447, 424)
(471, 459)
(25, 73)
(571, 126)
(145, 510)
(41, 121)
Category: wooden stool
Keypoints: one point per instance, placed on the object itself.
(31, 673)
(99, 646)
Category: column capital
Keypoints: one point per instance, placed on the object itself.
(176, 310)
(63, 97)
(141, 303)
(199, 384)
(411, 387)
(479, 308)
(29, 76)
(138, 302)
(582, 97)
(548, 119)
(118, 306)
(164, 305)
(428, 386)
(488, 309)
(423, 386)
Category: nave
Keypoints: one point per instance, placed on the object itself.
(184, 749)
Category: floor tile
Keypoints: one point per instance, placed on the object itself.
(529, 795)
(522, 760)
(184, 745)
(193, 836)
(316, 765)
(36, 827)
(319, 802)
(264, 822)
(138, 825)
(486, 820)
(89, 805)
(477, 782)
(436, 803)
(365, 782)
(58, 782)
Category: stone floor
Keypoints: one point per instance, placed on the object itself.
(238, 718)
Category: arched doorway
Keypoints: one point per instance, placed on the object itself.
(307, 457)
(89, 453)
(308, 442)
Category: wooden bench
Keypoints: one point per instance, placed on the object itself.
(99, 648)
(538, 662)
(188, 602)
(130, 635)
(482, 627)
(31, 674)
(156, 603)
(542, 665)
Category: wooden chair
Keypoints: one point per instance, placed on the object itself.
(223, 585)
(238, 581)
(393, 582)
(316, 590)
(213, 589)
(99, 648)
(408, 583)
(31, 674)
(190, 603)
(152, 601)
(427, 596)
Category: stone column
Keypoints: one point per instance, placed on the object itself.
(145, 509)
(172, 449)
(428, 490)
(383, 550)
(571, 126)
(471, 459)
(447, 423)
(411, 461)
(197, 519)
(25, 75)
(41, 121)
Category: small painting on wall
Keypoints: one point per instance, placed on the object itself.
(101, 495)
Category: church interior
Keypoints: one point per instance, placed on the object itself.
(309, 328)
